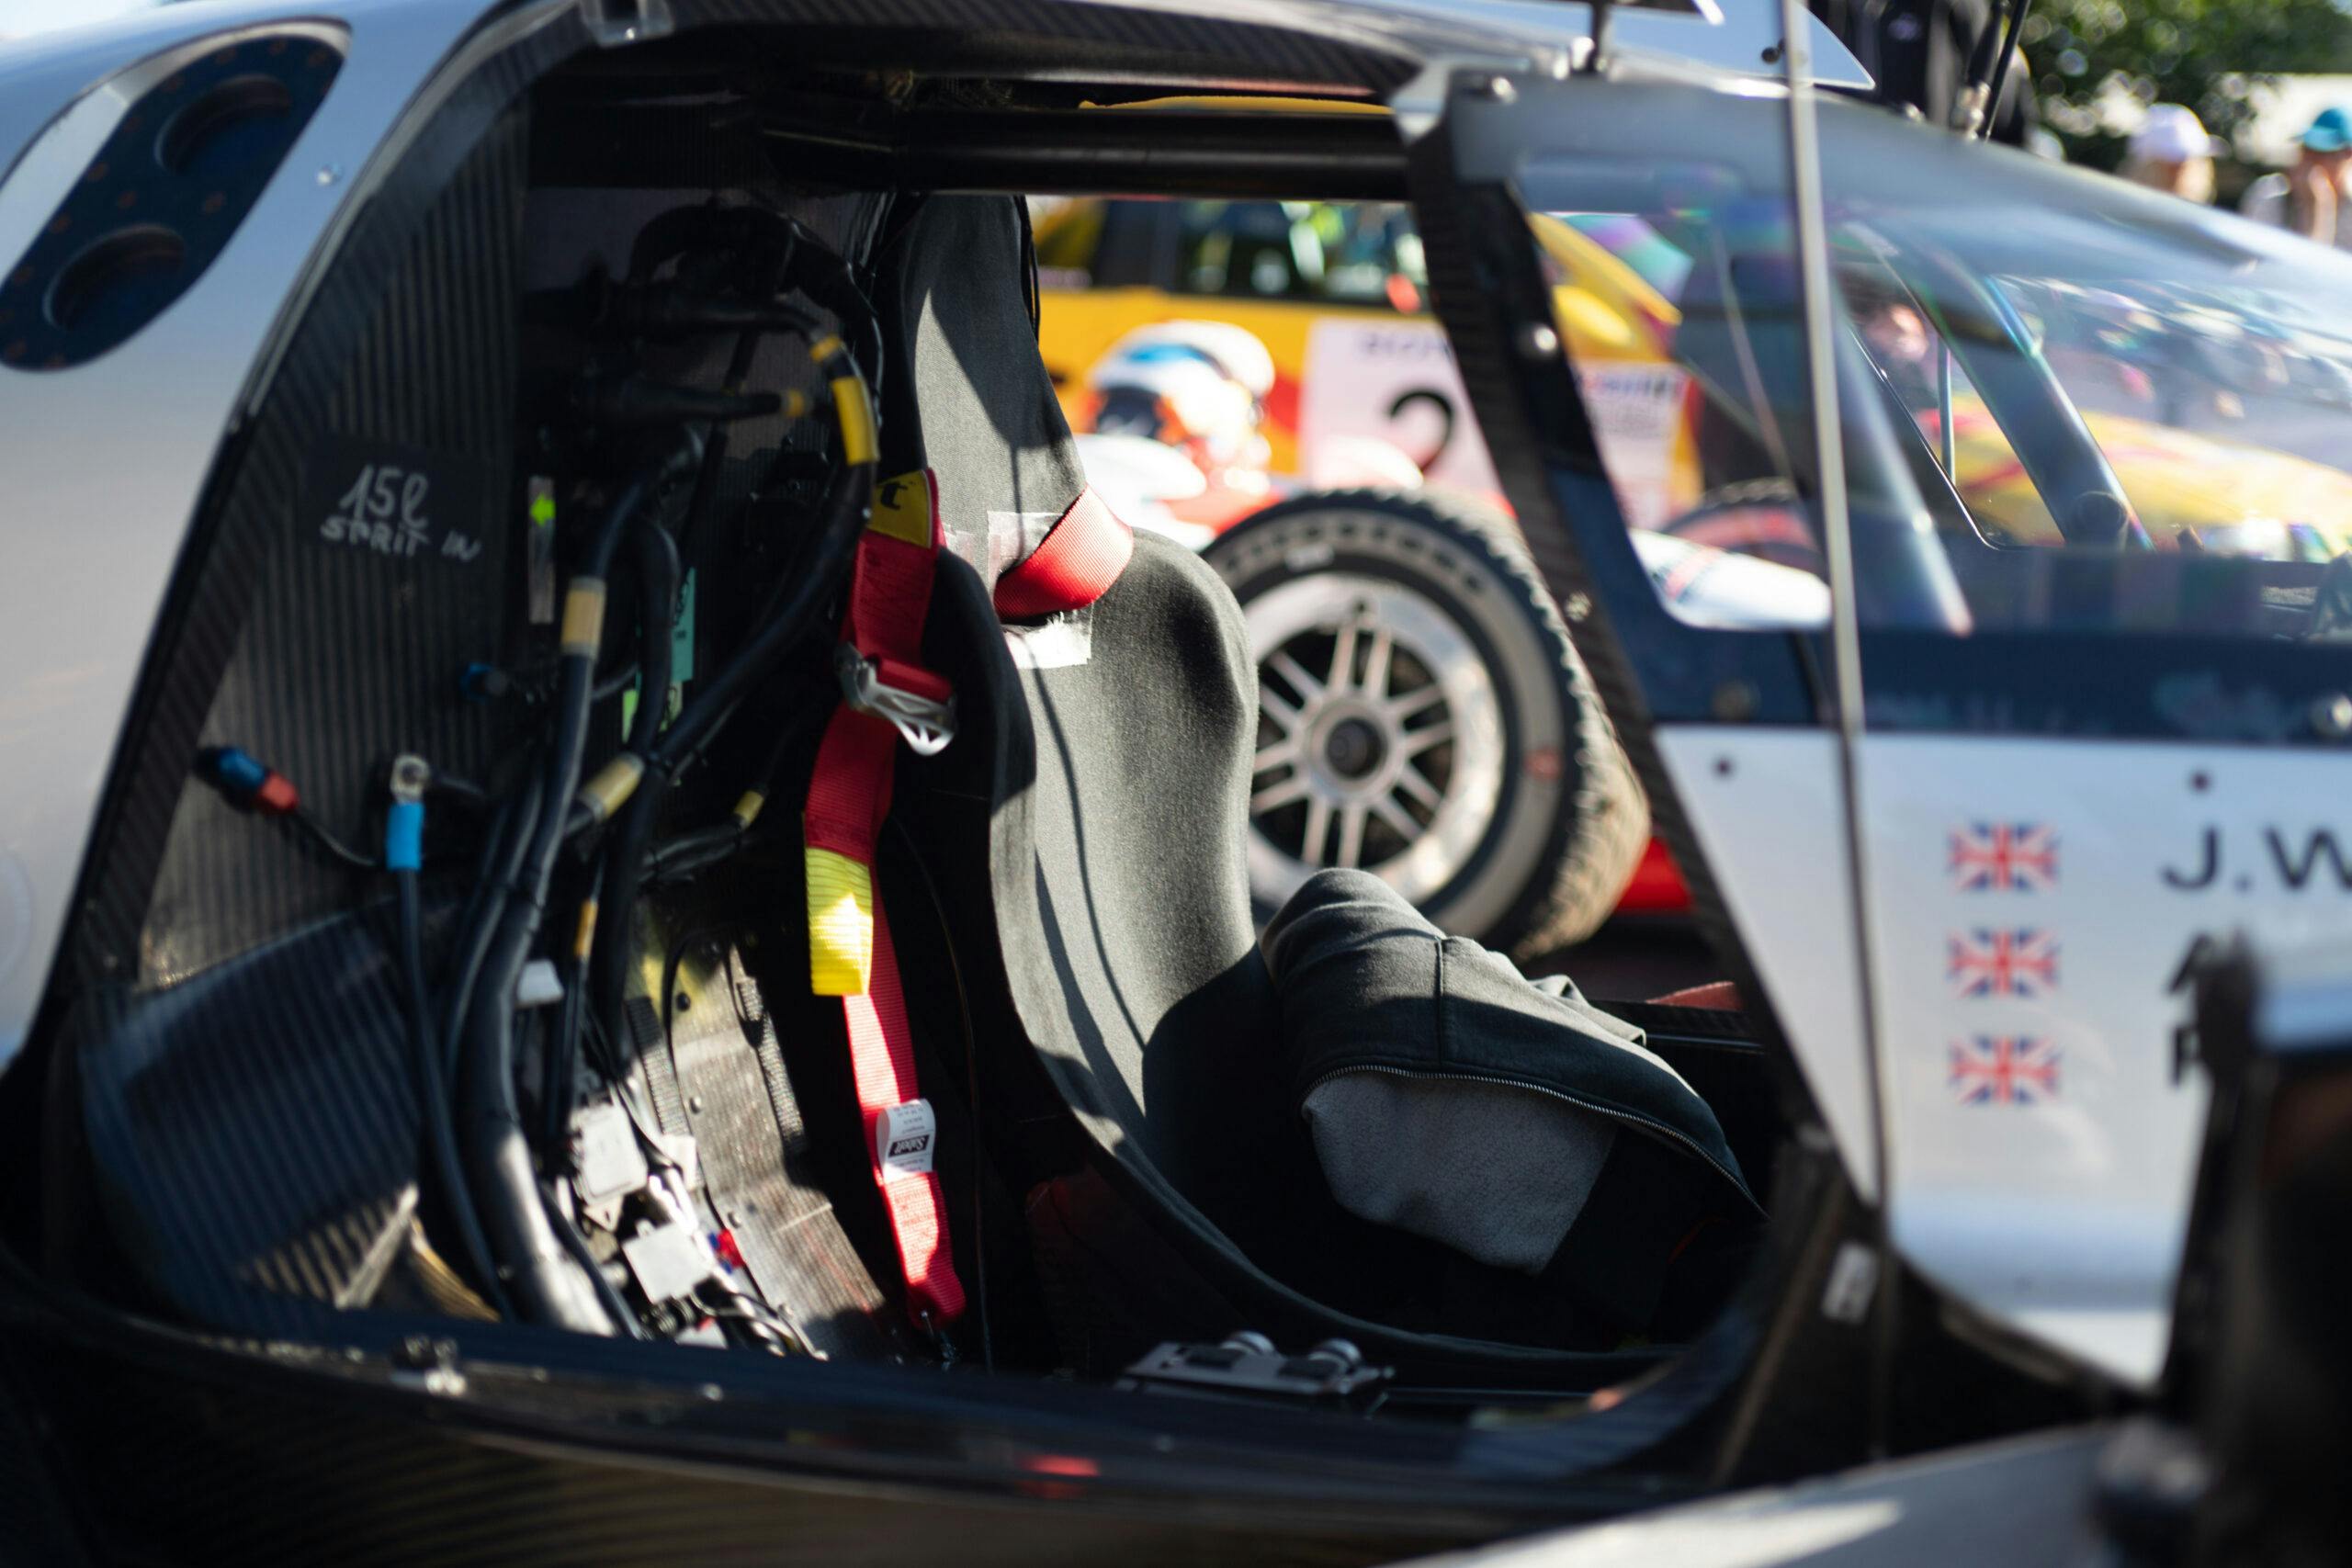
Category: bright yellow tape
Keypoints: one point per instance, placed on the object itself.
(584, 616)
(824, 348)
(856, 413)
(841, 925)
(747, 809)
(584, 938)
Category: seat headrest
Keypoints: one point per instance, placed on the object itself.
(969, 396)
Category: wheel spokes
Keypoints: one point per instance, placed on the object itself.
(1377, 661)
(1309, 688)
(1344, 655)
(1397, 817)
(1276, 795)
(1352, 820)
(1413, 742)
(1318, 828)
(1414, 702)
(1410, 782)
(1286, 718)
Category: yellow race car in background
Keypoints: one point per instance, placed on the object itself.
(1334, 291)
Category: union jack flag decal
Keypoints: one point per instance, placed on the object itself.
(2004, 1069)
(2002, 962)
(2004, 857)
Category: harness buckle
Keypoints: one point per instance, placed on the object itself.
(925, 723)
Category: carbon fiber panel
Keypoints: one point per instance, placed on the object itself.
(756, 1168)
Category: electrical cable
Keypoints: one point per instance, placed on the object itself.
(433, 1096)
(562, 1065)
(324, 837)
(498, 1151)
(842, 520)
(577, 1245)
(510, 838)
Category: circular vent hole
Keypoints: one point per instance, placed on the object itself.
(243, 117)
(124, 276)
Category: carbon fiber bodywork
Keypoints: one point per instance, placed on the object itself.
(287, 1428)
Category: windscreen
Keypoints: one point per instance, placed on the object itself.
(2107, 409)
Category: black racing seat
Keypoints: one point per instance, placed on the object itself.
(1087, 828)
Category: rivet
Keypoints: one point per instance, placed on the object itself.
(2332, 715)
(1735, 702)
(1538, 341)
(327, 174)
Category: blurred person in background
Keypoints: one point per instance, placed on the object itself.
(2172, 153)
(1918, 52)
(2309, 197)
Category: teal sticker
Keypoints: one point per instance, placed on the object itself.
(682, 634)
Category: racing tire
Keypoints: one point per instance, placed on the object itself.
(1460, 753)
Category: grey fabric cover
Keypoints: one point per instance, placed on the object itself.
(1496, 1172)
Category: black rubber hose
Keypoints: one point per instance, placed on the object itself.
(577, 1245)
(502, 862)
(433, 1096)
(563, 1051)
(658, 572)
(848, 504)
(498, 1151)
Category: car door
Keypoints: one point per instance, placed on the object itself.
(1961, 833)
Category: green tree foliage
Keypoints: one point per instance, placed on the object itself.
(2209, 54)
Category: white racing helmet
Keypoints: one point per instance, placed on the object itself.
(1211, 377)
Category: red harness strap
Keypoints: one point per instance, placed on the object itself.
(1083, 554)
(850, 952)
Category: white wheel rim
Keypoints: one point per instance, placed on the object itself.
(1380, 735)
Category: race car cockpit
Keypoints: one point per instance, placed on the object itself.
(650, 810)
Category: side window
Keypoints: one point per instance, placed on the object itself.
(1358, 253)
(1068, 234)
(1918, 371)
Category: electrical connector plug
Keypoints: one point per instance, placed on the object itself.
(404, 823)
(246, 782)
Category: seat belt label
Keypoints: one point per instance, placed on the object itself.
(905, 1139)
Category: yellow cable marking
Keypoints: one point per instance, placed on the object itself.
(586, 937)
(614, 783)
(840, 924)
(584, 617)
(824, 348)
(855, 412)
(747, 810)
